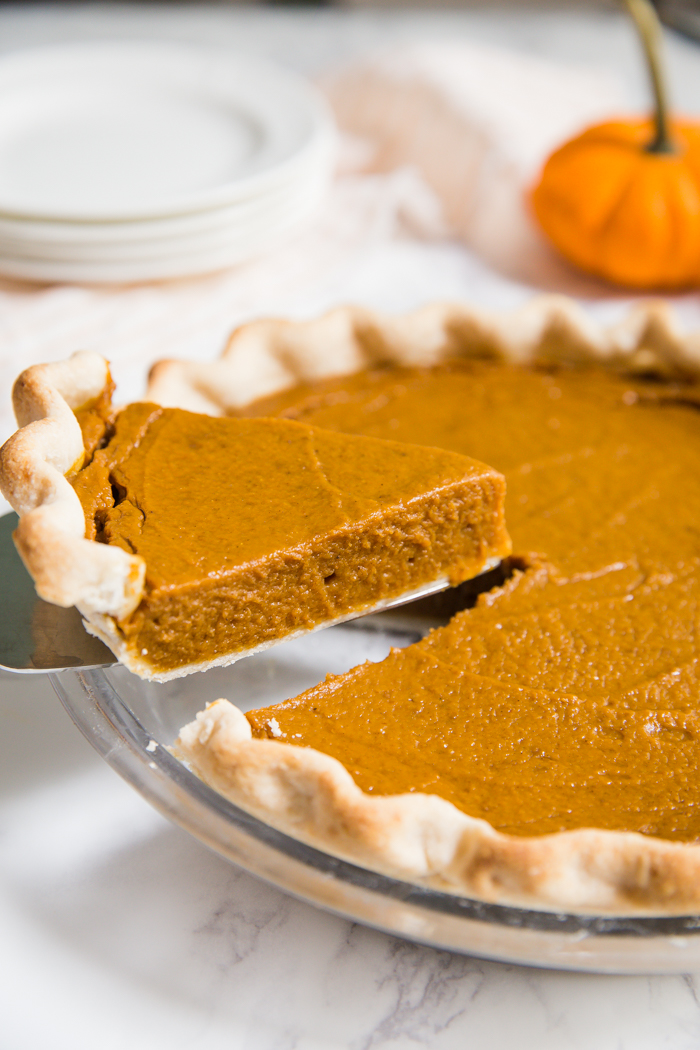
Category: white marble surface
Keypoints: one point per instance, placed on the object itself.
(116, 929)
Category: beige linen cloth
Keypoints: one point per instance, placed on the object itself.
(439, 142)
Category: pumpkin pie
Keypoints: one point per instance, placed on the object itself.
(542, 748)
(221, 536)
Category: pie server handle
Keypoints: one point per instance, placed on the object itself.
(34, 635)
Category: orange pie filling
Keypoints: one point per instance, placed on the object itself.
(568, 697)
(255, 529)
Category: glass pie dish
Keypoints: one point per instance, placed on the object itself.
(131, 723)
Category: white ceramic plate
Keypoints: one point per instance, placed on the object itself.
(47, 235)
(180, 261)
(131, 162)
(120, 131)
(249, 226)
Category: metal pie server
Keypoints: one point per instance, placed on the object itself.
(34, 635)
(38, 637)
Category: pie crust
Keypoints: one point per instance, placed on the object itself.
(267, 356)
(417, 837)
(67, 568)
(423, 838)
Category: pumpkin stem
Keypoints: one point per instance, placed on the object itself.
(649, 28)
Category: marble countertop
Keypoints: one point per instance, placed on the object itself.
(117, 928)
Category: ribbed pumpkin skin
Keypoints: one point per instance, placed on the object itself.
(622, 213)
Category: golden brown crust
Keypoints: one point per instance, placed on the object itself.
(423, 838)
(67, 569)
(265, 357)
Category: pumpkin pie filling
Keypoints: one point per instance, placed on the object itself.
(254, 529)
(568, 696)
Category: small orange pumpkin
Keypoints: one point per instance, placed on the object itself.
(622, 199)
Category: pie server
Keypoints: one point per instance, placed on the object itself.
(38, 637)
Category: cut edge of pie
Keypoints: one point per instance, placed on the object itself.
(102, 626)
(310, 795)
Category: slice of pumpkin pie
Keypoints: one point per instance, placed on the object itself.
(244, 531)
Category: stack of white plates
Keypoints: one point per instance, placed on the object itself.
(129, 162)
